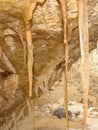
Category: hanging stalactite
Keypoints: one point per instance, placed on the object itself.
(64, 16)
(84, 45)
(27, 17)
(28, 14)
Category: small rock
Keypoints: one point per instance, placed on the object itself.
(91, 109)
(52, 88)
(94, 114)
(77, 113)
(80, 116)
(61, 102)
(60, 113)
(72, 103)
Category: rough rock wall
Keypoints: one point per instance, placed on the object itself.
(47, 37)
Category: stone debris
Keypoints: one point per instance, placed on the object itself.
(60, 113)
(75, 110)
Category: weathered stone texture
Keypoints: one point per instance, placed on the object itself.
(47, 36)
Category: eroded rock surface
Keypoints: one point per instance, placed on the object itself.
(47, 37)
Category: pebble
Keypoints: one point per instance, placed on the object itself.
(60, 113)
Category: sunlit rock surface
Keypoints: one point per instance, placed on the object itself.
(47, 37)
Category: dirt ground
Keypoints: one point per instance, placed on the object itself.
(44, 118)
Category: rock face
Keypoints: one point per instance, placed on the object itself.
(47, 37)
